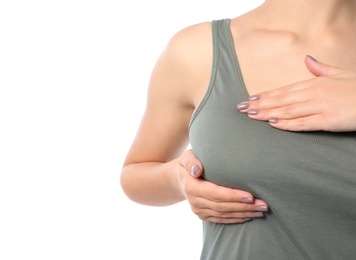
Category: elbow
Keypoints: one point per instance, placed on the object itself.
(124, 182)
(128, 184)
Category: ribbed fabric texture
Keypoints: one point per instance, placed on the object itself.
(307, 178)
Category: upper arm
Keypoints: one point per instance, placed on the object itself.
(179, 77)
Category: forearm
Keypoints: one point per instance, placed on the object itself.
(151, 183)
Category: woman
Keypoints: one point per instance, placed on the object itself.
(308, 179)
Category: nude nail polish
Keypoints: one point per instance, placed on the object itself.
(247, 200)
(257, 214)
(254, 97)
(273, 120)
(252, 112)
(312, 58)
(261, 208)
(242, 106)
(195, 168)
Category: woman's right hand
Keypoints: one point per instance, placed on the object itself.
(211, 202)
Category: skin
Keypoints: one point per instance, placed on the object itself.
(324, 103)
(158, 169)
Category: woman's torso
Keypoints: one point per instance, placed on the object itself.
(308, 179)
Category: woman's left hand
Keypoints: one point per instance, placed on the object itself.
(327, 102)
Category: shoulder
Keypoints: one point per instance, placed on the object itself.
(191, 36)
(184, 66)
(190, 44)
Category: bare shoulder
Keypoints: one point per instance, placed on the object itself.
(181, 73)
(187, 58)
(191, 42)
(194, 43)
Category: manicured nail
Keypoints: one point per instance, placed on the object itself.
(247, 200)
(242, 106)
(254, 97)
(257, 214)
(312, 58)
(273, 120)
(252, 112)
(261, 208)
(195, 168)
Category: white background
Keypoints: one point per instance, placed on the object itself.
(73, 79)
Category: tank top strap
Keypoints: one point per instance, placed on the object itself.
(225, 56)
(226, 83)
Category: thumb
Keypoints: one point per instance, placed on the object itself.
(320, 69)
(196, 170)
(192, 164)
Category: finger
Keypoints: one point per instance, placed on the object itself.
(228, 207)
(320, 69)
(216, 193)
(281, 100)
(225, 220)
(304, 84)
(309, 123)
(192, 165)
(209, 214)
(239, 212)
(288, 112)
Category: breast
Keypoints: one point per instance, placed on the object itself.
(242, 153)
(308, 179)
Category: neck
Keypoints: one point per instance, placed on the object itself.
(309, 16)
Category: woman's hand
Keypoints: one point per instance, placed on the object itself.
(211, 202)
(326, 102)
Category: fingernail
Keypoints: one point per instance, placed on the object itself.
(242, 106)
(254, 97)
(247, 219)
(257, 214)
(247, 200)
(252, 112)
(195, 168)
(312, 58)
(273, 120)
(261, 208)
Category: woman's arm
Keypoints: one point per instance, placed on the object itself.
(157, 170)
(149, 172)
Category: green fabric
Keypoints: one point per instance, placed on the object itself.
(307, 178)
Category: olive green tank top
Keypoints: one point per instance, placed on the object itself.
(308, 179)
